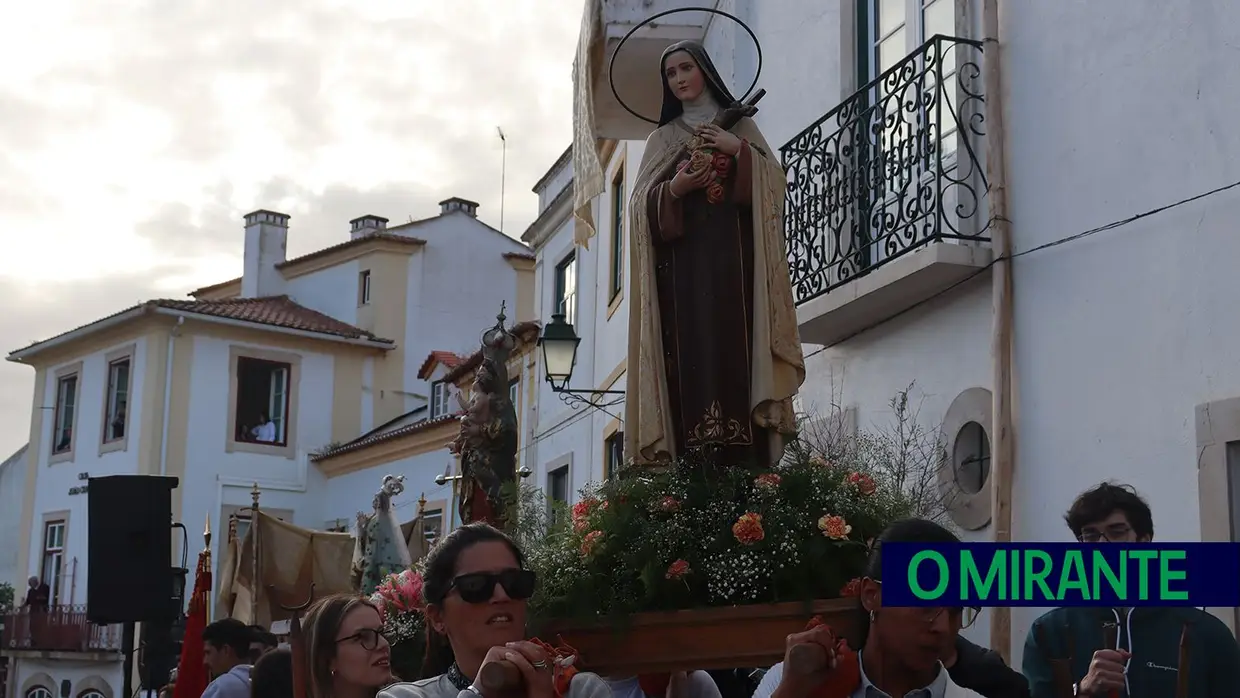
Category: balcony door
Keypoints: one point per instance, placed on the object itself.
(903, 143)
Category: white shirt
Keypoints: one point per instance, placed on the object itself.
(698, 684)
(265, 432)
(936, 689)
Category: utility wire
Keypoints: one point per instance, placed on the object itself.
(1022, 253)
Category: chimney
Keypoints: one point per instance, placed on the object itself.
(266, 241)
(469, 208)
(366, 225)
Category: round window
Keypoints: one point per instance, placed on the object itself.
(971, 458)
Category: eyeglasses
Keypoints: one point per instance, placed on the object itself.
(368, 638)
(1114, 532)
(965, 615)
(479, 587)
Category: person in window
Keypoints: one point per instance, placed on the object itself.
(65, 441)
(225, 651)
(265, 432)
(904, 651)
(1139, 652)
(118, 423)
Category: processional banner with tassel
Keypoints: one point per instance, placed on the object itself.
(191, 674)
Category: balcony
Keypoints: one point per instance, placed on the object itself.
(606, 22)
(60, 629)
(886, 194)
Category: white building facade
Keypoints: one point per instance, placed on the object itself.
(1121, 360)
(249, 384)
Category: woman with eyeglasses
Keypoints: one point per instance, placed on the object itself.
(903, 651)
(347, 655)
(476, 588)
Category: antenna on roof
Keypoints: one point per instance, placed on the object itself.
(503, 171)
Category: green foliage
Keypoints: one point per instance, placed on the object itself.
(7, 596)
(665, 539)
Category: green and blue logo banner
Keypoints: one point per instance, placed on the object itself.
(1061, 574)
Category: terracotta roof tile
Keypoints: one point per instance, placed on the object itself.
(447, 358)
(276, 311)
(402, 239)
(368, 441)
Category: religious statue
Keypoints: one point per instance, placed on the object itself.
(380, 547)
(487, 442)
(714, 352)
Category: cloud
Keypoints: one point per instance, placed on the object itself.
(34, 313)
(141, 141)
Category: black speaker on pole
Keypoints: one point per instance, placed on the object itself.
(129, 577)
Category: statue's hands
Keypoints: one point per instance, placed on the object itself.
(688, 180)
(724, 141)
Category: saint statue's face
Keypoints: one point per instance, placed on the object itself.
(684, 76)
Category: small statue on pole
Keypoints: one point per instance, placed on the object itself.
(487, 442)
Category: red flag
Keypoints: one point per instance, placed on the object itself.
(191, 674)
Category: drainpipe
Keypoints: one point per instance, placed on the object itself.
(172, 335)
(1003, 451)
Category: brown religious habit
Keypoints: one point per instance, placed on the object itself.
(713, 325)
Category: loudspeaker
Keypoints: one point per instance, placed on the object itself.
(129, 576)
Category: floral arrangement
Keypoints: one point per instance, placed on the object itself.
(708, 157)
(680, 537)
(401, 605)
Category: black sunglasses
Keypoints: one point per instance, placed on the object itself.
(479, 587)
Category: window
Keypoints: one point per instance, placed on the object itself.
(432, 523)
(514, 393)
(53, 557)
(557, 488)
(116, 414)
(613, 454)
(441, 399)
(971, 458)
(39, 692)
(363, 287)
(262, 401)
(566, 288)
(66, 410)
(617, 234)
(889, 31)
(90, 693)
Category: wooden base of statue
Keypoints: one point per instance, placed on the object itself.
(710, 638)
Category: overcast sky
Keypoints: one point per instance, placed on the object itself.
(134, 134)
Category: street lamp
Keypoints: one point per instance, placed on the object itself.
(559, 345)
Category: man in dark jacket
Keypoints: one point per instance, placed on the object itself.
(1119, 651)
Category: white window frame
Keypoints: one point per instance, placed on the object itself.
(39, 692)
(66, 412)
(277, 402)
(54, 532)
(565, 288)
(441, 396)
(363, 287)
(118, 390)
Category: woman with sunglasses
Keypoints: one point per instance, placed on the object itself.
(476, 588)
(904, 651)
(347, 654)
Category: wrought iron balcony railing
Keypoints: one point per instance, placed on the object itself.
(60, 628)
(894, 167)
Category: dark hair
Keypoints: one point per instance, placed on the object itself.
(319, 627)
(902, 531)
(229, 632)
(439, 570)
(272, 675)
(263, 636)
(1097, 504)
